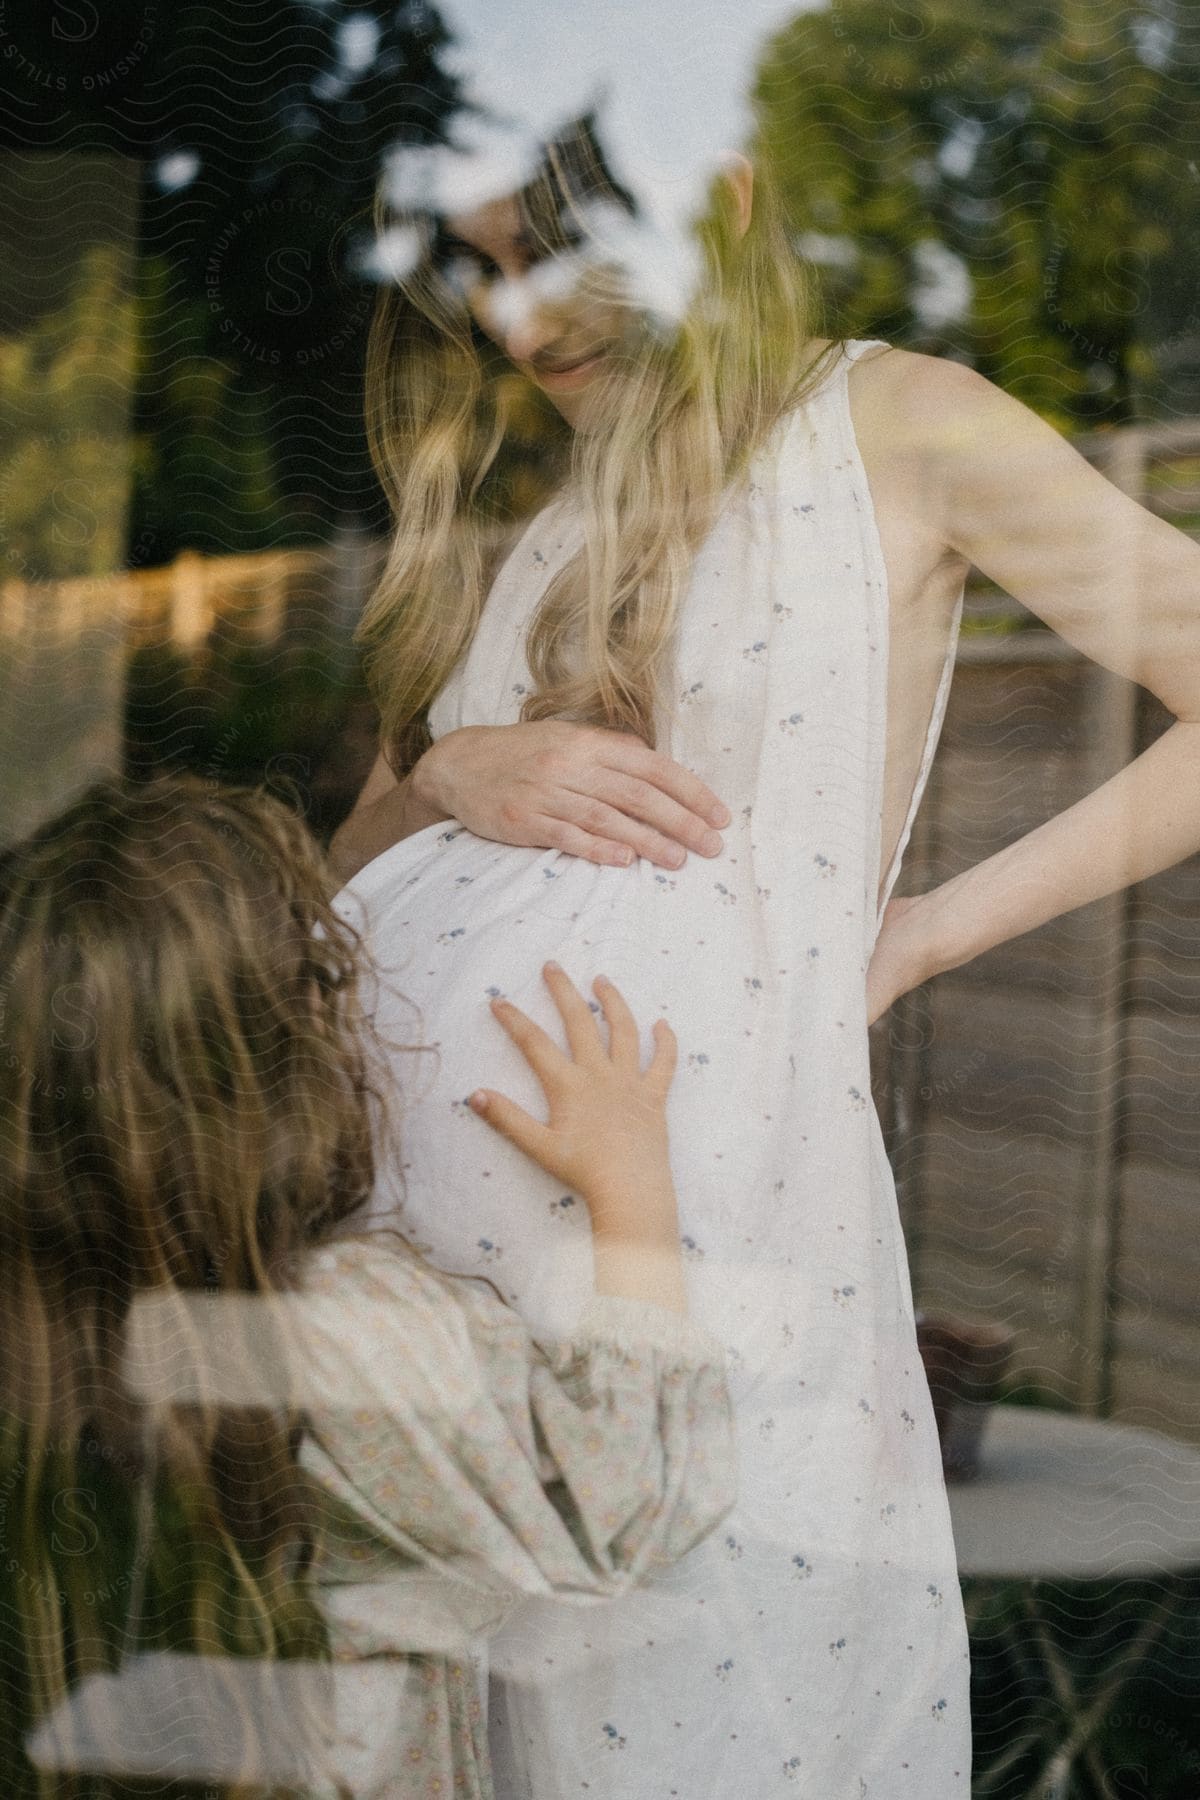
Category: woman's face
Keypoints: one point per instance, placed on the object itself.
(530, 304)
(567, 335)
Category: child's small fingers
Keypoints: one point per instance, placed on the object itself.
(624, 1042)
(512, 1122)
(583, 1034)
(536, 1046)
(666, 1055)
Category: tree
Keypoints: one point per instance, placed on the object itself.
(1038, 159)
(260, 133)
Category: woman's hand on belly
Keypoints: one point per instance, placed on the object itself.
(550, 784)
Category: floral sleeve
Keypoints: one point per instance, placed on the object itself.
(569, 1468)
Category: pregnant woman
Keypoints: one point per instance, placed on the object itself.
(747, 585)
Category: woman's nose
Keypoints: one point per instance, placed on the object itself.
(527, 338)
(530, 326)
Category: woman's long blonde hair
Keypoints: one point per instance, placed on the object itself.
(183, 1109)
(692, 411)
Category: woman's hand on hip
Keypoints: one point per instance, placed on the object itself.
(553, 785)
(906, 952)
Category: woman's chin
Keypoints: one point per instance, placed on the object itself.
(589, 406)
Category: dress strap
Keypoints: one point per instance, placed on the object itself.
(933, 733)
(854, 347)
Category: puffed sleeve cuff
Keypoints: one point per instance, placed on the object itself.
(635, 1326)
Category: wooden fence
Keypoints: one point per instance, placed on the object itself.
(304, 599)
(64, 645)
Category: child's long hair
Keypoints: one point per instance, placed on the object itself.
(692, 409)
(183, 1106)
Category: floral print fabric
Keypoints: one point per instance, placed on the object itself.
(471, 1466)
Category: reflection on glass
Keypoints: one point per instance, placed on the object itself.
(67, 359)
(716, 374)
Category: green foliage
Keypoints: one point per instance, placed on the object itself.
(251, 713)
(64, 449)
(1049, 150)
(1045, 154)
(1146, 1740)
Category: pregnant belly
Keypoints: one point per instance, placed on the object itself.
(452, 920)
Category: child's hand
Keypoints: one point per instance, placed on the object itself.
(606, 1137)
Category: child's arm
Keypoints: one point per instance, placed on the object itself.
(571, 1468)
(462, 1456)
(606, 1136)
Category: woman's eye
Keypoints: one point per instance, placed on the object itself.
(470, 269)
(467, 271)
(463, 273)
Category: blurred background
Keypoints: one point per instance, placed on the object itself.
(189, 525)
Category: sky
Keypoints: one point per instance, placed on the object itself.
(669, 82)
(678, 73)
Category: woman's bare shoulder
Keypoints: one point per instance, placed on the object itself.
(908, 407)
(905, 384)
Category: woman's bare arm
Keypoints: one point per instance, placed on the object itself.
(1122, 585)
(386, 811)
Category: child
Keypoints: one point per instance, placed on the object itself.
(184, 1086)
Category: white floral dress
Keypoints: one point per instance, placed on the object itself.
(466, 1467)
(817, 1644)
